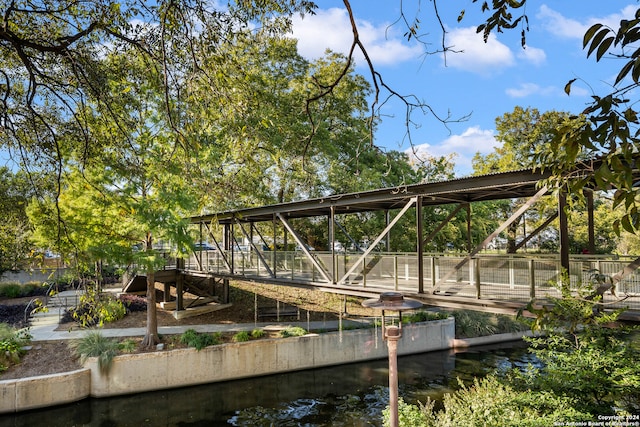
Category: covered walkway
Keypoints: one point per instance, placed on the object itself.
(234, 247)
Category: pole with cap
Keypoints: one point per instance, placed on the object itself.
(392, 301)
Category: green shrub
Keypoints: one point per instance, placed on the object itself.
(12, 344)
(96, 309)
(470, 324)
(242, 336)
(192, 338)
(293, 331)
(424, 316)
(94, 344)
(10, 290)
(257, 333)
(488, 402)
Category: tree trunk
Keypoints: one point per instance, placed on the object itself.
(151, 335)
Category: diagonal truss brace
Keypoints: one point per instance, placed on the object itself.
(302, 245)
(493, 235)
(220, 251)
(378, 239)
(255, 249)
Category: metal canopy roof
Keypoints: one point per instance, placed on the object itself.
(499, 186)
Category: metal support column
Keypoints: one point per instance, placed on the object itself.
(564, 230)
(420, 243)
(592, 240)
(332, 245)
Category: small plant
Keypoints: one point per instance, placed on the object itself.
(293, 331)
(192, 338)
(94, 344)
(12, 344)
(257, 333)
(242, 336)
(127, 346)
(96, 309)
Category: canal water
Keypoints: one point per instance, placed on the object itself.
(348, 395)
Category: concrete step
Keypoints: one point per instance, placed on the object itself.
(42, 321)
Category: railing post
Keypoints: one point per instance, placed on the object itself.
(532, 279)
(433, 271)
(476, 273)
(364, 271)
(395, 271)
(511, 273)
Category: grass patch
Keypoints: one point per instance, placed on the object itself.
(127, 346)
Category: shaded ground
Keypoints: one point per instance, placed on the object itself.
(56, 356)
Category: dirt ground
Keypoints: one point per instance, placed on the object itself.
(49, 357)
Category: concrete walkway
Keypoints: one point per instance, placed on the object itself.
(48, 332)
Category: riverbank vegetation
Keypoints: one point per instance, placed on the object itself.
(588, 369)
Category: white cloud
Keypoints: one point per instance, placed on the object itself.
(557, 24)
(476, 55)
(473, 140)
(533, 55)
(331, 29)
(527, 89)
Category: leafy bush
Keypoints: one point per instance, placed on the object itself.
(96, 309)
(585, 354)
(10, 290)
(133, 302)
(241, 336)
(94, 344)
(12, 344)
(489, 402)
(257, 333)
(470, 324)
(293, 331)
(192, 338)
(424, 316)
(17, 290)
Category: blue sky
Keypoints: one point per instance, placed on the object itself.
(485, 80)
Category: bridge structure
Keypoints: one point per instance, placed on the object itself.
(239, 250)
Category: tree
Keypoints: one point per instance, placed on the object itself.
(125, 194)
(15, 231)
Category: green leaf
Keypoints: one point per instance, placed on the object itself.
(590, 33)
(624, 71)
(604, 47)
(567, 87)
(597, 40)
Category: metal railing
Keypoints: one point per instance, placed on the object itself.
(504, 277)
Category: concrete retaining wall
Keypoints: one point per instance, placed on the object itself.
(34, 275)
(141, 372)
(46, 390)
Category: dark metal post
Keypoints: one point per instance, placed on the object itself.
(564, 230)
(420, 243)
(392, 301)
(394, 333)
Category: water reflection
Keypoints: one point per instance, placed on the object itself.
(349, 395)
